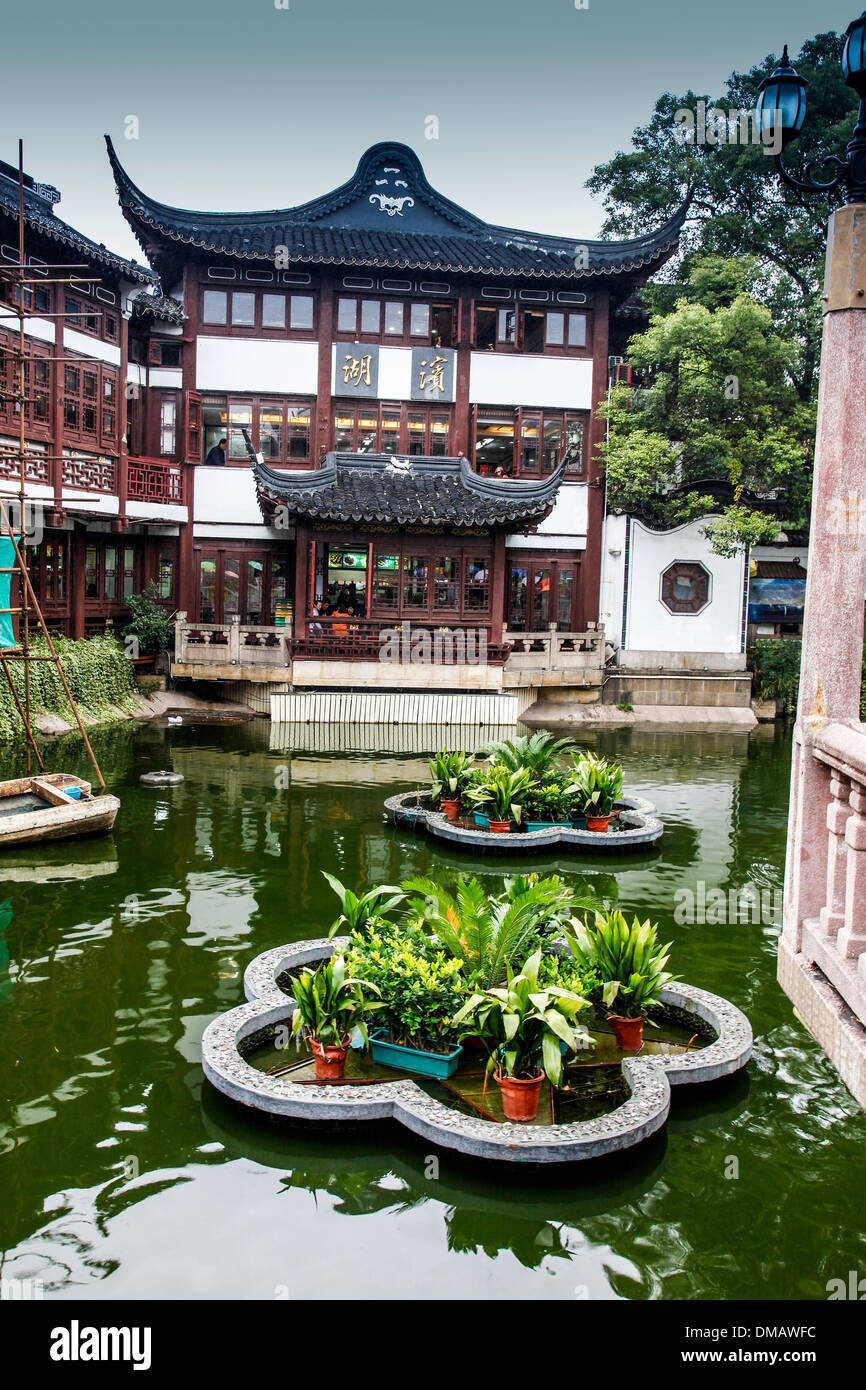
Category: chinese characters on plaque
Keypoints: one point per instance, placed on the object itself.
(432, 374)
(357, 370)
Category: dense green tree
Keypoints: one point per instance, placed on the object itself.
(715, 422)
(739, 207)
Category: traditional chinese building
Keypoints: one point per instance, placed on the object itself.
(374, 391)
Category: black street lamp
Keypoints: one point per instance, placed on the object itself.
(781, 106)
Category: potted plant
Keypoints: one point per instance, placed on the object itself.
(328, 1007)
(629, 966)
(421, 986)
(449, 773)
(524, 1027)
(596, 784)
(359, 914)
(502, 793)
(537, 753)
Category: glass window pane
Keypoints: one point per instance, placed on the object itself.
(255, 590)
(415, 581)
(555, 329)
(565, 598)
(240, 418)
(529, 444)
(302, 311)
(344, 430)
(91, 572)
(128, 571)
(390, 431)
(386, 580)
(109, 586)
(207, 590)
(371, 315)
(166, 576)
(394, 319)
(214, 306)
(274, 311)
(439, 435)
(485, 327)
(231, 586)
(494, 444)
(541, 600)
(506, 322)
(368, 429)
(419, 320)
(476, 582)
(271, 432)
(517, 598)
(577, 330)
(347, 315)
(298, 432)
(446, 582)
(533, 331)
(417, 442)
(243, 308)
(552, 445)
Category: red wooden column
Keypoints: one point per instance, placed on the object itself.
(302, 540)
(590, 576)
(322, 433)
(77, 546)
(462, 408)
(122, 415)
(497, 586)
(55, 448)
(186, 576)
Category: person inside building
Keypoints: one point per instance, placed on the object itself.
(217, 455)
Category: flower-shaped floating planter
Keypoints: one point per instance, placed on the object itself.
(648, 1079)
(639, 827)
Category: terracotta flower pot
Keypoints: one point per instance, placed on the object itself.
(599, 823)
(628, 1032)
(451, 809)
(330, 1061)
(499, 827)
(519, 1097)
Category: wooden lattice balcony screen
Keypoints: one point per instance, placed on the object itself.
(152, 480)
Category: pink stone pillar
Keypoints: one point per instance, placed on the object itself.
(838, 814)
(851, 941)
(836, 582)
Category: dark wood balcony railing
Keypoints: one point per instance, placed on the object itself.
(155, 480)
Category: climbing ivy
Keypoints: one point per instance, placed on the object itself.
(98, 673)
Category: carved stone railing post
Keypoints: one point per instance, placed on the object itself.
(180, 634)
(235, 640)
(851, 941)
(838, 814)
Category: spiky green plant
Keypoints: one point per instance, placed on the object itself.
(487, 933)
(449, 773)
(596, 784)
(359, 913)
(523, 1024)
(535, 752)
(628, 960)
(329, 1004)
(502, 793)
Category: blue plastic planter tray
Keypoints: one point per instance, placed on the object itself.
(548, 825)
(482, 821)
(437, 1064)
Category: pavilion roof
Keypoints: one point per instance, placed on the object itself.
(408, 491)
(387, 216)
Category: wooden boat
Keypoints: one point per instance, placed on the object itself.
(55, 806)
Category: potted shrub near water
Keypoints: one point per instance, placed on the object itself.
(596, 784)
(524, 1027)
(501, 795)
(450, 775)
(329, 1007)
(629, 964)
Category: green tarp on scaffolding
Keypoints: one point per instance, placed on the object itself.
(7, 559)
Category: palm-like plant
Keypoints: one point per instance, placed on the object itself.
(449, 773)
(535, 752)
(359, 913)
(488, 933)
(524, 1024)
(503, 792)
(628, 960)
(596, 783)
(329, 1005)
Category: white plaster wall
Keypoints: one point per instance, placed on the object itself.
(500, 379)
(650, 626)
(43, 329)
(91, 347)
(226, 495)
(565, 528)
(247, 364)
(170, 377)
(612, 575)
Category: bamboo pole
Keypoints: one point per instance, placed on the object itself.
(26, 724)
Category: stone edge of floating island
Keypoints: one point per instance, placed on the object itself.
(649, 1079)
(645, 828)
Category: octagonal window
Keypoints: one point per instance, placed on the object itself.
(685, 587)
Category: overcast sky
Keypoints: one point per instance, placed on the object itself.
(241, 105)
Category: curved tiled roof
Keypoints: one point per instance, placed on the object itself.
(352, 488)
(369, 222)
(39, 217)
(159, 306)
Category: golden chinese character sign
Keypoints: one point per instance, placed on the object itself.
(433, 374)
(357, 372)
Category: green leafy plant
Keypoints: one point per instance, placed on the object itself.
(449, 774)
(100, 679)
(150, 622)
(359, 914)
(488, 933)
(597, 784)
(775, 666)
(330, 1004)
(523, 1024)
(421, 986)
(628, 962)
(536, 752)
(502, 792)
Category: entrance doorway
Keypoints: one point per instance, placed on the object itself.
(540, 592)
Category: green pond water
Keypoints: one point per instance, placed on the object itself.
(124, 1175)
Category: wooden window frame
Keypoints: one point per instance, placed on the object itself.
(352, 406)
(404, 339)
(257, 402)
(525, 413)
(460, 548)
(258, 329)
